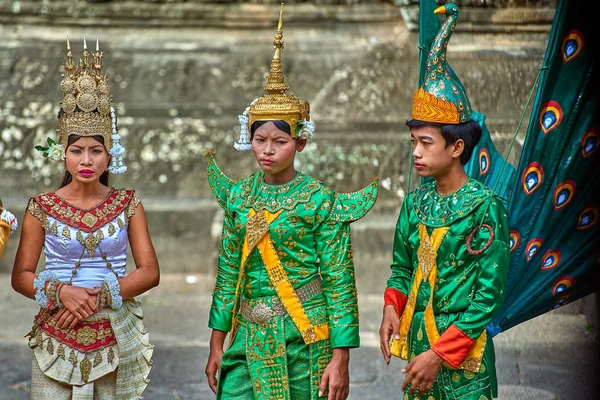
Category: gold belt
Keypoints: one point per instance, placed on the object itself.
(261, 313)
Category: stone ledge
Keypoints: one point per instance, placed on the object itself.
(187, 15)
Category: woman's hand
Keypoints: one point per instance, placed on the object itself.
(390, 325)
(79, 301)
(336, 377)
(65, 319)
(213, 365)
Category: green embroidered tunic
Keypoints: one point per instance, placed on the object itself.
(469, 288)
(312, 238)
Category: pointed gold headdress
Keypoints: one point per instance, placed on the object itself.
(86, 108)
(276, 104)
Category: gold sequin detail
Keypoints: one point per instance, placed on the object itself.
(73, 358)
(61, 351)
(111, 355)
(97, 359)
(50, 348)
(66, 232)
(111, 229)
(256, 228)
(85, 367)
(54, 229)
(89, 219)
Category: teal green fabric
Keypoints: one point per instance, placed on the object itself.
(555, 197)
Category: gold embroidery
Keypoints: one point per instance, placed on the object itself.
(73, 358)
(66, 232)
(111, 229)
(85, 367)
(61, 351)
(86, 336)
(256, 228)
(97, 359)
(54, 228)
(111, 355)
(120, 223)
(50, 348)
(89, 219)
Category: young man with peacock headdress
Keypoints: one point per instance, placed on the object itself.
(451, 249)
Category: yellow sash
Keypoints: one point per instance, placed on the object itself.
(427, 271)
(257, 235)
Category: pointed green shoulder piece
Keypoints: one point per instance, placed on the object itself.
(350, 207)
(219, 183)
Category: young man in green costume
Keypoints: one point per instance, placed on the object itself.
(451, 250)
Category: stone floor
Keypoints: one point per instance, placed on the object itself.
(551, 357)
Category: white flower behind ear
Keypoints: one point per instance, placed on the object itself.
(305, 129)
(56, 152)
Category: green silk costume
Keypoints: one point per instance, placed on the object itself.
(469, 288)
(311, 235)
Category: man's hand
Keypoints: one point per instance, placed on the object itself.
(421, 372)
(390, 325)
(213, 365)
(336, 377)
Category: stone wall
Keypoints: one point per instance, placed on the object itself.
(179, 89)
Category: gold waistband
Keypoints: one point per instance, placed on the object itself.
(260, 312)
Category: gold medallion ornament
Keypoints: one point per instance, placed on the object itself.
(86, 101)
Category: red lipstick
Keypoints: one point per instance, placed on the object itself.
(86, 173)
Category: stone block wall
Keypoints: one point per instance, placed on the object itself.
(179, 88)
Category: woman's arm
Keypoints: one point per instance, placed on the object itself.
(79, 303)
(147, 273)
(28, 255)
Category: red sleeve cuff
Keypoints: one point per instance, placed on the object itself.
(453, 346)
(396, 298)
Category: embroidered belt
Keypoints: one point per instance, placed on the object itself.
(262, 313)
(89, 335)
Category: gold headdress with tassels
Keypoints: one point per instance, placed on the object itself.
(86, 108)
(276, 104)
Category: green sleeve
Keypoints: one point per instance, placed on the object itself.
(492, 272)
(228, 270)
(334, 250)
(402, 265)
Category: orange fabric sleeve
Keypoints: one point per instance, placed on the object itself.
(453, 346)
(396, 298)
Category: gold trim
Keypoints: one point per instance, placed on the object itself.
(426, 107)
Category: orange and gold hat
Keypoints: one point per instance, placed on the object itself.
(442, 98)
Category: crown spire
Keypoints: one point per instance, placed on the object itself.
(276, 81)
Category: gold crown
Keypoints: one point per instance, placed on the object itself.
(427, 107)
(277, 104)
(86, 98)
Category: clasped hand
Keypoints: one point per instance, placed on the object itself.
(79, 303)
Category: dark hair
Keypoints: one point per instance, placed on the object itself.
(469, 132)
(279, 124)
(67, 178)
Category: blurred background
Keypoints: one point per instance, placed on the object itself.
(182, 70)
